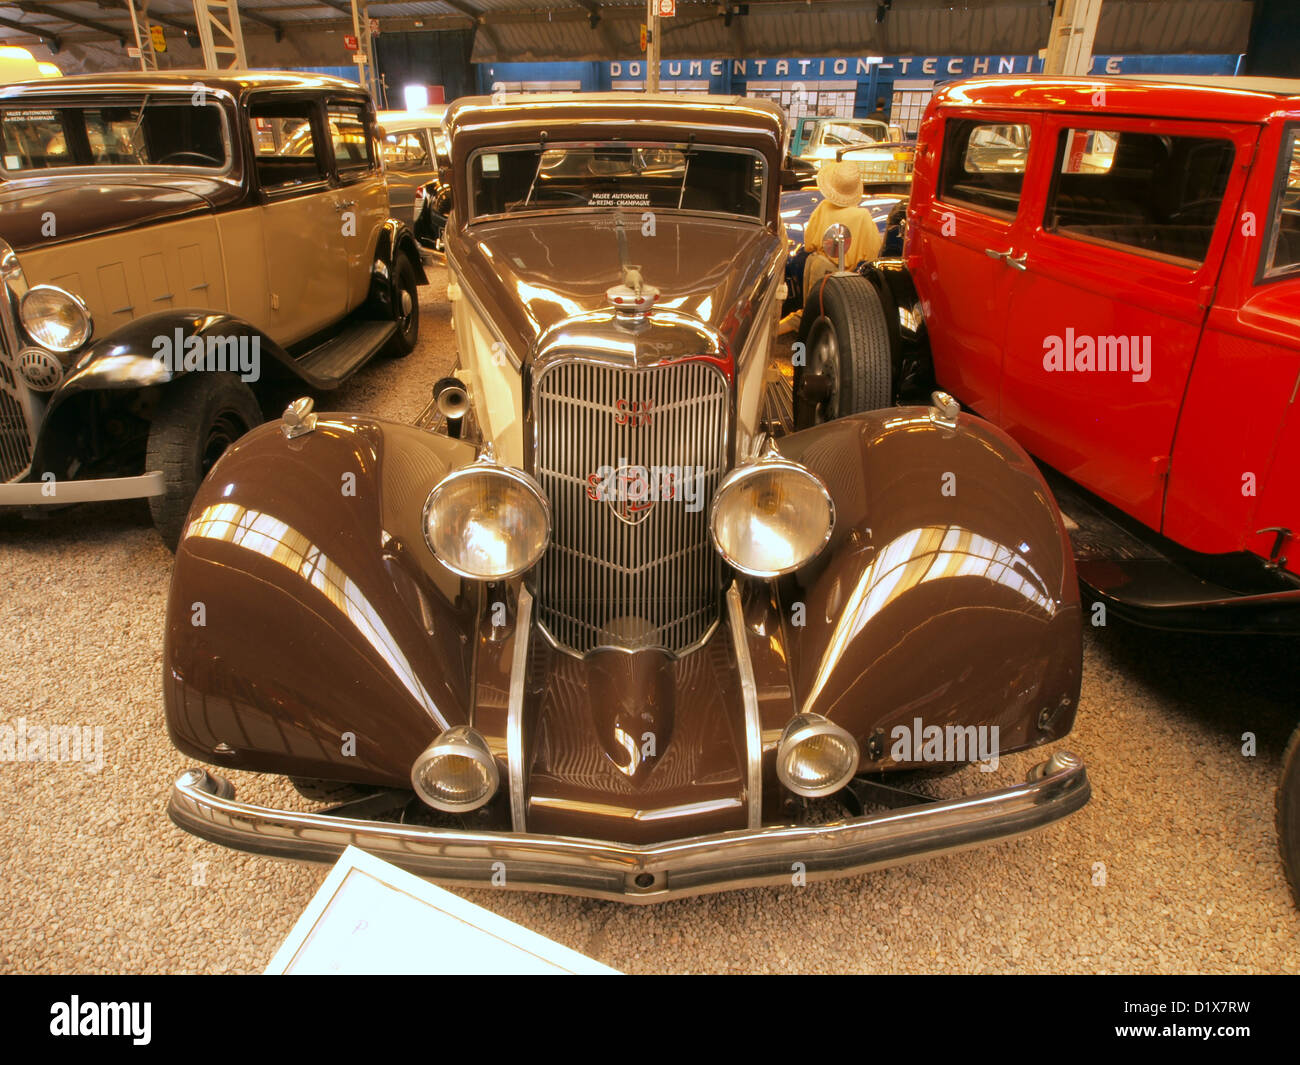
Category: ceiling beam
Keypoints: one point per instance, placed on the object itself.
(53, 40)
(76, 20)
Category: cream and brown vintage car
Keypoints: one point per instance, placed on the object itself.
(598, 623)
(173, 248)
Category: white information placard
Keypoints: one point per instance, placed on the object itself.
(369, 917)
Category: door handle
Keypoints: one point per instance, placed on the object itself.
(343, 205)
(1018, 261)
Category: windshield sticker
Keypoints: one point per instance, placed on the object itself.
(491, 165)
(619, 199)
(12, 162)
(29, 115)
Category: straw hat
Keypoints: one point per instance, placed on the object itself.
(840, 182)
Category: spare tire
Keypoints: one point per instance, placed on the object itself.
(846, 336)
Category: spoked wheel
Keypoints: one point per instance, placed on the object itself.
(199, 417)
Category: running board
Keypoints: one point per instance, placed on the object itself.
(1143, 583)
(333, 362)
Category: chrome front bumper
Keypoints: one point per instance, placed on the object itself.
(60, 493)
(205, 805)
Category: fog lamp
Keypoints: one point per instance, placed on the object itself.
(456, 773)
(771, 517)
(55, 318)
(487, 522)
(815, 756)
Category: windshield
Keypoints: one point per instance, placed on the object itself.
(673, 177)
(844, 134)
(139, 131)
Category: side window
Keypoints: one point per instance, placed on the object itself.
(405, 151)
(1155, 193)
(351, 139)
(285, 152)
(1282, 249)
(983, 164)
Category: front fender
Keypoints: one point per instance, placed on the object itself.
(947, 592)
(129, 357)
(309, 629)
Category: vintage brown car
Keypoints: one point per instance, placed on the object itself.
(174, 248)
(595, 624)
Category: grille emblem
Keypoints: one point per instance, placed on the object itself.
(630, 491)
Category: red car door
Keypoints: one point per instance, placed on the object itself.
(1235, 475)
(1104, 319)
(960, 240)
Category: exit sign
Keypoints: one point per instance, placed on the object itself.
(350, 42)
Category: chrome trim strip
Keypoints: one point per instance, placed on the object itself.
(515, 711)
(204, 804)
(749, 694)
(32, 493)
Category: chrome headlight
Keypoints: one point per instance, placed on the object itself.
(771, 517)
(487, 522)
(456, 772)
(815, 756)
(55, 318)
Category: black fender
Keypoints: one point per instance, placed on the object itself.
(138, 357)
(909, 341)
(395, 239)
(310, 630)
(947, 591)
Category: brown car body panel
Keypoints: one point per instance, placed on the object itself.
(358, 629)
(532, 278)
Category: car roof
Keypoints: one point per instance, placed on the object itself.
(751, 122)
(1177, 96)
(236, 83)
(737, 112)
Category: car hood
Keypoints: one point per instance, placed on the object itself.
(530, 274)
(40, 211)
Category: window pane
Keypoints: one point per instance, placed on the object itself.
(662, 178)
(348, 134)
(984, 164)
(285, 146)
(1284, 249)
(156, 131)
(1157, 194)
(405, 151)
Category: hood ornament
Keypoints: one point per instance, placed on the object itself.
(632, 297)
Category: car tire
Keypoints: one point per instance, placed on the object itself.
(332, 791)
(1287, 803)
(199, 417)
(406, 309)
(846, 336)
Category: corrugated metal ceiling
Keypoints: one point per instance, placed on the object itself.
(560, 29)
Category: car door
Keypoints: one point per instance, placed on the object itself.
(1235, 475)
(408, 163)
(361, 205)
(963, 243)
(307, 277)
(1118, 270)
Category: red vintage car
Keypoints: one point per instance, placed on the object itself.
(1109, 270)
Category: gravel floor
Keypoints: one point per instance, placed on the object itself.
(1172, 867)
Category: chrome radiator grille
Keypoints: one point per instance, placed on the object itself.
(15, 437)
(629, 572)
